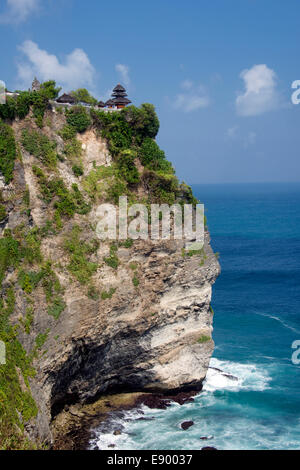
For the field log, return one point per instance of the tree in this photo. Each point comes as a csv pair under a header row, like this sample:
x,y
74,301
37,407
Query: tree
x,y
49,90
82,95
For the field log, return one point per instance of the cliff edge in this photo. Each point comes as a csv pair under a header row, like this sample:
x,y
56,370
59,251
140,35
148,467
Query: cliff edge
x,y
82,317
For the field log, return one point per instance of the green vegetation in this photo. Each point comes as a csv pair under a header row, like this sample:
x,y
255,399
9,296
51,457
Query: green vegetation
x,y
79,252
56,308
162,188
27,322
93,293
135,280
126,243
73,149
112,260
133,266
19,106
203,339
127,167
38,145
2,212
153,157
67,132
16,404
108,295
66,202
77,170
83,96
8,151
78,118
41,339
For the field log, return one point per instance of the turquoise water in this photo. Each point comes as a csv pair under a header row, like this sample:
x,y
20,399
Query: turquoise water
x,y
256,229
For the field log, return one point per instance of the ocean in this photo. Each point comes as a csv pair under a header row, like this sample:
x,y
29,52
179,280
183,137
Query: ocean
x,y
256,300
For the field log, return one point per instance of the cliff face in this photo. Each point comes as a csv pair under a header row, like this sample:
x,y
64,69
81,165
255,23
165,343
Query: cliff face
x,y
135,317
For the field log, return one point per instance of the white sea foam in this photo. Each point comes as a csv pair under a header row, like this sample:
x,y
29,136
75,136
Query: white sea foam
x,y
137,433
248,376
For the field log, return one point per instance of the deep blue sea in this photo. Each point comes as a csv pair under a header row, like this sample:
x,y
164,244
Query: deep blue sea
x,y
256,299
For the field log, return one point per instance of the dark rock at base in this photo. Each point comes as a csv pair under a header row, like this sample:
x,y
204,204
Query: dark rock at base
x,y
186,425
117,432
209,448
161,402
112,446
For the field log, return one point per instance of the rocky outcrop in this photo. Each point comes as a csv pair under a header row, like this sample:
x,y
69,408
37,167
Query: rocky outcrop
x,y
146,337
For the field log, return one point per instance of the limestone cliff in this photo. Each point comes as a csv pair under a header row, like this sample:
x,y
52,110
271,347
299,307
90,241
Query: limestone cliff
x,y
95,318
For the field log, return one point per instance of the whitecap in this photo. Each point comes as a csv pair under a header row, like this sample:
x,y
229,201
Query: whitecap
x,y
249,376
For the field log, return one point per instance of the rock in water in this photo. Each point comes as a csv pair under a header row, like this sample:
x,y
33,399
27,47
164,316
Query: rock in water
x,y
186,425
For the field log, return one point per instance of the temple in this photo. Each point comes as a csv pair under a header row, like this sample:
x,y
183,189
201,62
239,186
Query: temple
x,y
119,99
36,86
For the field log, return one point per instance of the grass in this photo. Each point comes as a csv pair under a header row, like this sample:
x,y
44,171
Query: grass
x,y
8,151
108,294
66,202
135,280
57,307
80,251
204,339
40,146
112,260
16,403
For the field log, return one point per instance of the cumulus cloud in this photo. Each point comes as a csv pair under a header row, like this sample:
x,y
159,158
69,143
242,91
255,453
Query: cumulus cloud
x,y
261,94
75,71
124,72
193,97
18,11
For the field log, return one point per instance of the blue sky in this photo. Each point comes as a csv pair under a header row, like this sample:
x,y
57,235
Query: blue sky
x,y
218,72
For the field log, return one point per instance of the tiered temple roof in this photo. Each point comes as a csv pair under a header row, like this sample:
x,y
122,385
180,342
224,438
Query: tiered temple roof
x,y
119,96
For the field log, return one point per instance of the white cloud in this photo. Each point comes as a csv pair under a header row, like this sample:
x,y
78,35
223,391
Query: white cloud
x,y
75,71
124,72
260,93
193,97
18,11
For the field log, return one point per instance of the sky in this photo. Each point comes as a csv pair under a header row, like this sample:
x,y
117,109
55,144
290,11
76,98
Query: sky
x,y
219,73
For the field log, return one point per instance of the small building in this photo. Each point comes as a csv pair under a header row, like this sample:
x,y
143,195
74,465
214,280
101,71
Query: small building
x,y
110,103
36,86
101,104
119,97
66,99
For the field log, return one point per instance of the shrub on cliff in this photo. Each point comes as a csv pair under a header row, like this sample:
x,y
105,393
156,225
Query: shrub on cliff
x,y
153,157
143,121
40,146
19,106
127,167
8,151
78,118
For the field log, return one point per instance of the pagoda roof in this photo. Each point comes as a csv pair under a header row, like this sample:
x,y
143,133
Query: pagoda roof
x,y
119,87
109,103
66,99
101,104
120,100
